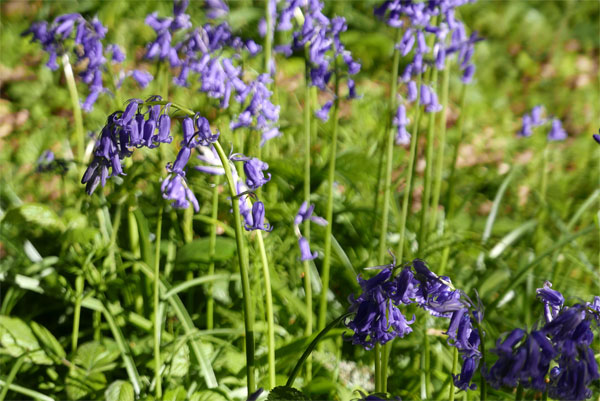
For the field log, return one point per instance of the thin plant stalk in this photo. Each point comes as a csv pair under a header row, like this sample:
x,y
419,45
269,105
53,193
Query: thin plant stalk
x,y
409,180
450,201
439,167
244,267
79,281
387,189
269,308
157,317
482,383
312,346
306,264
454,366
268,36
77,116
212,242
427,179
377,357
329,210
381,357
11,376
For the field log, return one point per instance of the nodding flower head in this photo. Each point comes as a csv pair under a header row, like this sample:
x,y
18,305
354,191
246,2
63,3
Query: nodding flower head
x,y
305,252
258,218
552,299
557,133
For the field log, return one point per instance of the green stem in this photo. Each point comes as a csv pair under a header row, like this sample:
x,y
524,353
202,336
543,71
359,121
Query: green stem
x,y
329,210
482,382
268,36
427,179
454,366
25,391
70,78
243,264
439,167
11,376
450,201
387,189
385,356
426,365
519,394
269,309
377,363
306,265
157,317
210,302
312,346
409,180
79,281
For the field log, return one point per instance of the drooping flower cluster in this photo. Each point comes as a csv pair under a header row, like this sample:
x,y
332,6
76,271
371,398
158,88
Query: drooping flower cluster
x,y
211,52
566,338
321,37
533,120
378,318
132,128
87,47
306,213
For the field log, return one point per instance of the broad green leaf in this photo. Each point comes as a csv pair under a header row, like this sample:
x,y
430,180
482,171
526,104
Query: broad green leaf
x,y
17,338
198,251
48,341
180,364
283,393
119,390
175,394
208,395
34,218
93,356
81,384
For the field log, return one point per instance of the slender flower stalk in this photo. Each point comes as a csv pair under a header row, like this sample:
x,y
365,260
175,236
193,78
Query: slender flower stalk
x,y
306,263
210,302
329,210
450,201
387,189
243,264
79,282
269,308
157,317
439,167
427,179
409,181
77,116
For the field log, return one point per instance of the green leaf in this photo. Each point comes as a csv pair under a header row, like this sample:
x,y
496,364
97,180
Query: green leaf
x,y
181,362
80,384
284,393
48,341
197,251
17,338
175,394
119,390
34,218
87,377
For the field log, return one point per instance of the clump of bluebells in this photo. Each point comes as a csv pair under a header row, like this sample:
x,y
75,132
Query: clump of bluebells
x,y
565,341
211,53
72,34
534,119
378,318
319,36
421,21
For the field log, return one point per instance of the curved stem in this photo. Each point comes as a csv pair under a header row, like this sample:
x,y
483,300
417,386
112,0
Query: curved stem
x,y
482,386
243,264
306,265
409,180
387,189
269,309
11,376
312,346
427,179
454,365
439,167
329,210
210,302
79,281
157,317
70,78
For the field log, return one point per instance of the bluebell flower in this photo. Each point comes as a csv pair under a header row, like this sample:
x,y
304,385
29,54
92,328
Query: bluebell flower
x,y
463,380
173,188
258,218
526,129
305,252
143,78
253,168
552,299
323,113
306,213
596,137
557,133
